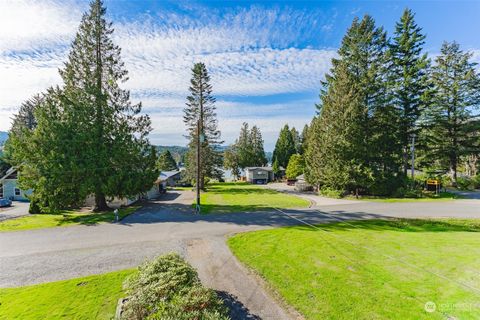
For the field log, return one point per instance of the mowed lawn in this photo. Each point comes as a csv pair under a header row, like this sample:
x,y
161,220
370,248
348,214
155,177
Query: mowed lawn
x,y
64,218
92,297
371,269
245,197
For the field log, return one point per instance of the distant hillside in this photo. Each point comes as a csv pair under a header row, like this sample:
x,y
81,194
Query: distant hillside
x,y
3,137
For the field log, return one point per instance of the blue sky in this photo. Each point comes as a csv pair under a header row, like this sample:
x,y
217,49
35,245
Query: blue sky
x,y
266,58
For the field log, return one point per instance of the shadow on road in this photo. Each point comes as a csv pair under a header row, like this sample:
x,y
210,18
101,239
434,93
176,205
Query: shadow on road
x,y
238,311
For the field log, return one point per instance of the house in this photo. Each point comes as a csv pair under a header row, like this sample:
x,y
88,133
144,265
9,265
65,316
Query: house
x,y
259,175
171,178
9,188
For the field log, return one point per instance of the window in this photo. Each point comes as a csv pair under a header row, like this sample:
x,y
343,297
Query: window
x,y
17,192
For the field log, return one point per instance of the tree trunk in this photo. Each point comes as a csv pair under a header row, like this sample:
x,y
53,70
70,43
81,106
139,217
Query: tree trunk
x,y
100,202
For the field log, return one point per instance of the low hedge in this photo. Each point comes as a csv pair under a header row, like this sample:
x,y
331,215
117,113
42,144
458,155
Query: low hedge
x,y
168,288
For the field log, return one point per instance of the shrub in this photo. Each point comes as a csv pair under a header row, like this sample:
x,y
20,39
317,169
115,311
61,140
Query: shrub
x,y
476,181
331,193
464,183
169,288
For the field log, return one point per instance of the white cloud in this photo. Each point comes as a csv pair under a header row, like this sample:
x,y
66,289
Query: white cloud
x,y
249,52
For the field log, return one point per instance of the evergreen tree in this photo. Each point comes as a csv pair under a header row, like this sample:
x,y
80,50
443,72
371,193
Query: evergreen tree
x,y
244,147
200,116
89,138
341,137
295,166
408,81
166,162
284,147
303,139
258,152
297,140
453,124
276,169
25,118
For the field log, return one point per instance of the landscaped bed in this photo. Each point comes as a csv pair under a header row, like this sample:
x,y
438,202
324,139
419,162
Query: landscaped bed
x,y
372,269
63,218
244,197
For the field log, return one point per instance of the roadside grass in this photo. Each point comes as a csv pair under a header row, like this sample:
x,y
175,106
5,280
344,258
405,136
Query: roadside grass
x,y
426,197
92,297
63,218
354,270
243,197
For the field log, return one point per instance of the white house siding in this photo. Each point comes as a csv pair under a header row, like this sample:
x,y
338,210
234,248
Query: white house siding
x,y
9,186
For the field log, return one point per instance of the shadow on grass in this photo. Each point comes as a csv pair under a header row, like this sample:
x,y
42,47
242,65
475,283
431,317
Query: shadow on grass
x,y
402,225
220,209
90,219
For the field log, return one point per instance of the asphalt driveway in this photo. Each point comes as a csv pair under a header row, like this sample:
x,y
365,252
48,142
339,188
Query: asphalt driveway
x,y
34,256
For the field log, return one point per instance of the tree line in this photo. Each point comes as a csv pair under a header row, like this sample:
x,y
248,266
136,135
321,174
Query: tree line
x,y
382,93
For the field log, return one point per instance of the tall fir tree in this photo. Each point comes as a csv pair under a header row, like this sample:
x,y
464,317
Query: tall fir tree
x,y
297,139
166,162
303,140
284,147
453,126
200,116
408,81
258,152
89,138
244,147
341,138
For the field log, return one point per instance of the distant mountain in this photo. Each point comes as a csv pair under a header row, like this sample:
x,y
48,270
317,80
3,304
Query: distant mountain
x,y
177,151
3,137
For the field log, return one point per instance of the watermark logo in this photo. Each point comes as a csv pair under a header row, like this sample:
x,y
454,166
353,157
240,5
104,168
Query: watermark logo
x,y
430,306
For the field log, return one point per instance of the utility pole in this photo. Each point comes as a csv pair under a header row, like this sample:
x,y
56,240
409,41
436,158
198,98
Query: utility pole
x,y
197,209
412,149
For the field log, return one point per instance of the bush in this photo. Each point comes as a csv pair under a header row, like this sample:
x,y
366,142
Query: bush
x,y
169,288
476,181
331,193
464,183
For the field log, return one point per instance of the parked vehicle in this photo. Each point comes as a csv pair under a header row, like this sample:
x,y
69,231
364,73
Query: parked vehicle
x,y
5,202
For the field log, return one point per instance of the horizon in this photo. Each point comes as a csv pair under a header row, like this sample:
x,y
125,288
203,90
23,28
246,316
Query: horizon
x,y
266,59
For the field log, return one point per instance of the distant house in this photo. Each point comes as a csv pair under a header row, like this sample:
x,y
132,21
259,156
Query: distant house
x,y
171,178
259,175
9,188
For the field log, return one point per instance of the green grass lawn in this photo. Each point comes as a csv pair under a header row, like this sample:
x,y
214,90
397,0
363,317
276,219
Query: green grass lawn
x,y
426,197
64,218
93,297
341,272
244,197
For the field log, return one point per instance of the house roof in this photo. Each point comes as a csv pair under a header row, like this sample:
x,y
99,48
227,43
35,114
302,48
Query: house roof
x,y
9,174
164,175
263,168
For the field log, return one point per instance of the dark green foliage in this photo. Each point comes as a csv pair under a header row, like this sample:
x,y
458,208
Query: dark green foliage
x,y
200,110
408,82
89,138
284,147
344,149
169,288
453,127
178,152
166,162
249,148
276,168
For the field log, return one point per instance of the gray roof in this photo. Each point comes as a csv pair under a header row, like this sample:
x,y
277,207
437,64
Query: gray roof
x,y
167,174
263,168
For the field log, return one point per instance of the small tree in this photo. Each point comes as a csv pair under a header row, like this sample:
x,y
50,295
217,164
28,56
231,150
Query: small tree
x,y
166,162
230,161
276,168
295,166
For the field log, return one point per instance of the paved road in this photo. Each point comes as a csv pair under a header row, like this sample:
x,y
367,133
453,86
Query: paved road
x,y
17,210
35,256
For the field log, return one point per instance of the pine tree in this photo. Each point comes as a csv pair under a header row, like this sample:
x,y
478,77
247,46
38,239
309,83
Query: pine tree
x,y
453,124
303,140
258,152
408,80
244,147
297,140
200,116
25,118
89,138
166,162
295,166
341,137
284,147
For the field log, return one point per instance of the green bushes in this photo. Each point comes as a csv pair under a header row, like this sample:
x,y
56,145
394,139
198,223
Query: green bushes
x,y
464,183
331,193
169,288
476,181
